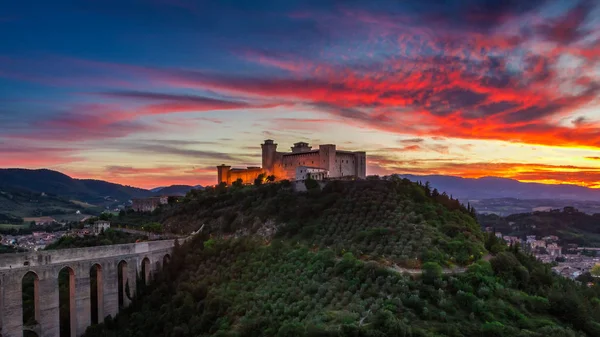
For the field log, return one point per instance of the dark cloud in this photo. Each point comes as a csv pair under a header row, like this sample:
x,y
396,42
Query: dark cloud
x,y
156,96
569,27
412,140
452,100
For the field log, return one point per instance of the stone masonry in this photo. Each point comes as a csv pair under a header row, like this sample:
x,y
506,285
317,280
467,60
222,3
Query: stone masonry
x,y
47,264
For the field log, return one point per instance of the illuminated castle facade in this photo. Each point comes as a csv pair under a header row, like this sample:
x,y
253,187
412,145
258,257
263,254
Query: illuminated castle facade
x,y
326,162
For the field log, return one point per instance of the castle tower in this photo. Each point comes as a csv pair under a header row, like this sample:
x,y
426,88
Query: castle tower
x,y
327,157
360,164
269,150
223,174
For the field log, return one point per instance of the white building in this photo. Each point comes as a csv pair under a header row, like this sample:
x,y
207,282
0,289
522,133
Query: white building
x,y
303,172
100,226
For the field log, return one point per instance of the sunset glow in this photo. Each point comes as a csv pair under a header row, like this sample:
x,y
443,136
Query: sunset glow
x,y
152,93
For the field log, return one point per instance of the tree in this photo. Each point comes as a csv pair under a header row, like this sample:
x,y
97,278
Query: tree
x,y
238,183
427,189
595,270
431,272
153,227
221,188
259,180
311,184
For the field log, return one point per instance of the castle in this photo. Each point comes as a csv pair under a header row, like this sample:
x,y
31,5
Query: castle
x,y
324,163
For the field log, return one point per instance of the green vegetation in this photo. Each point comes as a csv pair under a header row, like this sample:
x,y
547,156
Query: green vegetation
x,y
9,249
16,204
393,221
327,271
108,237
569,224
246,288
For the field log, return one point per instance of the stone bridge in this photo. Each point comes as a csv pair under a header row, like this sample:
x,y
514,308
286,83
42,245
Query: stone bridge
x,y
116,268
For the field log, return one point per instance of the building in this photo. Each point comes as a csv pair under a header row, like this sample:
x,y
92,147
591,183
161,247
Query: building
x,y
326,162
512,239
148,204
100,226
554,250
303,172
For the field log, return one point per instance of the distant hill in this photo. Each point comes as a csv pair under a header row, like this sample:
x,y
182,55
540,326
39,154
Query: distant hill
x,y
570,225
494,187
16,204
175,190
58,184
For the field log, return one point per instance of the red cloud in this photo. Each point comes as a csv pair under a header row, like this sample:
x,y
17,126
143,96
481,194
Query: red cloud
x,y
150,177
23,155
555,174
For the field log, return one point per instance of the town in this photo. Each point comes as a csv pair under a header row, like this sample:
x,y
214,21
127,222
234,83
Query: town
x,y
570,261
47,230
38,240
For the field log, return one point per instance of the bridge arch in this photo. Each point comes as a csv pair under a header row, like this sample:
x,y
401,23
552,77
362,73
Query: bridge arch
x,y
30,292
145,269
96,294
66,301
122,270
166,261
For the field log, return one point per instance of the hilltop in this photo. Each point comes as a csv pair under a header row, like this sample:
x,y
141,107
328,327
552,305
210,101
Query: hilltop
x,y
393,220
175,190
269,261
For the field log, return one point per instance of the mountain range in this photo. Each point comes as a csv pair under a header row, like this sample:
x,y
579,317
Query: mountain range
x,y
86,190
97,192
495,187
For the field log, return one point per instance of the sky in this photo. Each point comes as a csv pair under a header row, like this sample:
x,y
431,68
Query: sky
x,y
158,92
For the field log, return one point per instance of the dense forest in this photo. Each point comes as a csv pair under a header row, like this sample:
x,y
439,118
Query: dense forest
x,y
571,225
397,221
327,269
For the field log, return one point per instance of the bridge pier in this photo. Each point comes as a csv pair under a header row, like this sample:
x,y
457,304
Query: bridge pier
x,y
12,311
110,281
49,305
131,278
83,301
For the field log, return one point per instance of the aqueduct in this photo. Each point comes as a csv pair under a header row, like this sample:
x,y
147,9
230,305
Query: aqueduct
x,y
112,267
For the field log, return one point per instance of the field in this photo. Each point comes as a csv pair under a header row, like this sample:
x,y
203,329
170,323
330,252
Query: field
x,y
23,204
11,226
82,204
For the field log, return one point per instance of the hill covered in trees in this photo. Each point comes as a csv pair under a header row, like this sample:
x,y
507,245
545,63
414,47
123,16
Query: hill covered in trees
x,y
59,184
273,262
396,221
